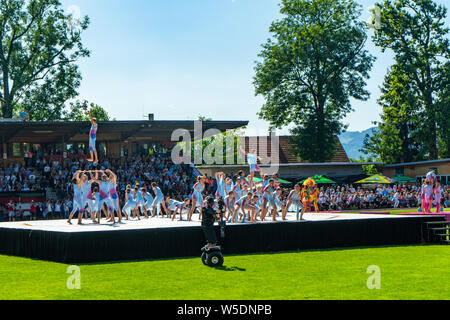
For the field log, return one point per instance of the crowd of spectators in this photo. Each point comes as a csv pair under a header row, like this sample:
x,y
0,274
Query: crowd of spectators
x,y
174,180
17,211
17,178
349,197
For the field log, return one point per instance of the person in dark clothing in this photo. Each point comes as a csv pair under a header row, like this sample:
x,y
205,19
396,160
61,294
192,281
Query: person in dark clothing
x,y
39,215
208,218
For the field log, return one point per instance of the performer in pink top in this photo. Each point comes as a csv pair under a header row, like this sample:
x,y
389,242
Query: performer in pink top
x,y
427,197
92,139
438,196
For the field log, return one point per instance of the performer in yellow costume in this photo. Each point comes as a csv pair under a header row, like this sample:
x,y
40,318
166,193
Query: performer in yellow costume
x,y
315,197
307,194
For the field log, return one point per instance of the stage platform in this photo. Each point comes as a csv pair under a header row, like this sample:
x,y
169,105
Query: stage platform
x,y
156,238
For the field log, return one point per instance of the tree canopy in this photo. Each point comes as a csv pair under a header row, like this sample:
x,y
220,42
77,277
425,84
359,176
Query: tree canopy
x,y
39,48
415,123
312,65
79,111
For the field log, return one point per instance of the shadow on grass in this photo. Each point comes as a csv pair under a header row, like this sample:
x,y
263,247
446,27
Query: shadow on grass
x,y
225,268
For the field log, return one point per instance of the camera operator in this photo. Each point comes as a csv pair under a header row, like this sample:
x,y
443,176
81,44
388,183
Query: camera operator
x,y
209,215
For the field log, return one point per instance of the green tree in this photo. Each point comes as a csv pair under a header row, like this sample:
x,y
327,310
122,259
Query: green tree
x,y
227,142
312,65
399,131
415,31
39,46
443,114
209,146
79,111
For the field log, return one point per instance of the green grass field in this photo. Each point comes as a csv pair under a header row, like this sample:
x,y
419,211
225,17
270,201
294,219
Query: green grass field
x,y
413,272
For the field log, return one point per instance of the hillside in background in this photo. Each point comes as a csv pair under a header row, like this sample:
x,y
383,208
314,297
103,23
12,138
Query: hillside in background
x,y
352,141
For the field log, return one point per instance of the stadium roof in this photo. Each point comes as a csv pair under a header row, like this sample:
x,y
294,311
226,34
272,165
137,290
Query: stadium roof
x,y
111,131
407,164
304,164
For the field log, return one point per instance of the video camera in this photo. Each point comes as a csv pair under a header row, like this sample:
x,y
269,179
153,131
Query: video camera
x,y
221,205
222,223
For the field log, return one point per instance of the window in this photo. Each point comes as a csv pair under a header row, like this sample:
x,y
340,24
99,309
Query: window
x,y
134,148
399,172
59,149
102,148
70,149
26,147
444,180
81,149
16,150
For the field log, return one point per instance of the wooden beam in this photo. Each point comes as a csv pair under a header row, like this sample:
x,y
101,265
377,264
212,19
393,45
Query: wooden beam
x,y
11,134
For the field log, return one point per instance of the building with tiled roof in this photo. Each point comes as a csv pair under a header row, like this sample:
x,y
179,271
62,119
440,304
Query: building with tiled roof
x,y
286,155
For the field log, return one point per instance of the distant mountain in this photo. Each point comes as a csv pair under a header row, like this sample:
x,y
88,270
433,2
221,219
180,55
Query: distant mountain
x,y
353,141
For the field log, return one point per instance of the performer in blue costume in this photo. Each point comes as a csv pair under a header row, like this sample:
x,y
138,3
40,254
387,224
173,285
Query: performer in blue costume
x,y
92,139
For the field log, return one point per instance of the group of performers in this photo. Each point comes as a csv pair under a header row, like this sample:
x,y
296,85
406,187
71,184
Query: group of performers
x,y
95,193
244,200
431,187
103,199
95,199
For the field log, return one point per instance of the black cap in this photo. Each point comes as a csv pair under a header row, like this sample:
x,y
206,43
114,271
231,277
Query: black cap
x,y
210,200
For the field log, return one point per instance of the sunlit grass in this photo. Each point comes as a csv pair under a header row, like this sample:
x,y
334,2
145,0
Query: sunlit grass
x,y
415,272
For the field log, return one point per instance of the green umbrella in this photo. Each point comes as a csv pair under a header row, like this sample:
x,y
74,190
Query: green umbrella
x,y
403,179
319,180
284,181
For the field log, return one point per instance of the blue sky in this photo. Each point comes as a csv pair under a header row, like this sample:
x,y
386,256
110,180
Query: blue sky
x,y
180,59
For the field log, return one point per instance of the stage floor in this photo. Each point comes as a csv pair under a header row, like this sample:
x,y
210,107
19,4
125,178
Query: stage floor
x,y
158,223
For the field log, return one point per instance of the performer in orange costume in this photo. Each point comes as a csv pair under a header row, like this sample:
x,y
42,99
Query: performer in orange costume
x,y
315,197
306,194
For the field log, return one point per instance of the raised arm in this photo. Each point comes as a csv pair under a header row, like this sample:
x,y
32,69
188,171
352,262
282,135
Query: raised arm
x,y
79,181
242,151
91,177
92,119
96,179
78,175
219,175
112,175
